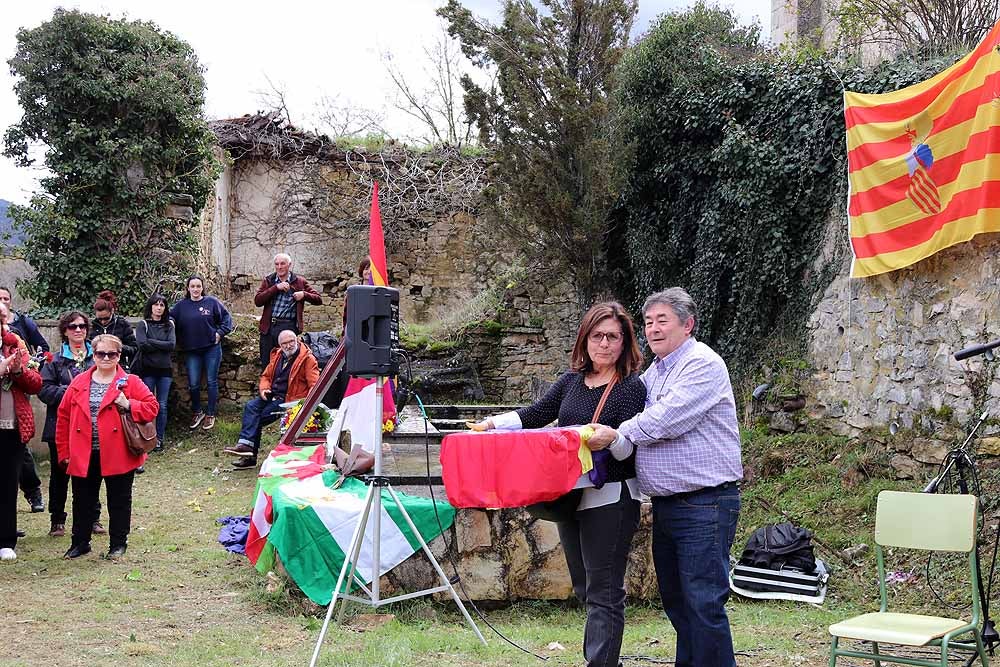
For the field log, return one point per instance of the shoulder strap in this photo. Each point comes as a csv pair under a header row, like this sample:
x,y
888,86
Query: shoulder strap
x,y
604,399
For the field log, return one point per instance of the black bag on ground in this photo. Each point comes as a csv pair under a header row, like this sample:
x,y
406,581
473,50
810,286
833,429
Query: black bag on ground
x,y
780,546
323,344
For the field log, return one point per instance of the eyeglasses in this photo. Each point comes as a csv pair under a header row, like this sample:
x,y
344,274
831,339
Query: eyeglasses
x,y
77,326
596,337
101,354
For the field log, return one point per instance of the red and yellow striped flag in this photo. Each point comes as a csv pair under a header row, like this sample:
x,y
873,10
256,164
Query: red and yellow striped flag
x,y
924,163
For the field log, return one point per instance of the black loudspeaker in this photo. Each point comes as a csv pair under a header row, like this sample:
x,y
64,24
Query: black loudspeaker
x,y
372,331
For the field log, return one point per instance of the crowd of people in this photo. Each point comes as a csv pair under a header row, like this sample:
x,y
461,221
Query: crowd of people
x,y
669,434
103,365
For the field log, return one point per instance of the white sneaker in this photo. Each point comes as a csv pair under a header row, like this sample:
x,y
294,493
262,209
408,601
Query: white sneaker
x,y
7,554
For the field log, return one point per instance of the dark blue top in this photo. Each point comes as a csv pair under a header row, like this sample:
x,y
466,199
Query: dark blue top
x,y
26,328
197,322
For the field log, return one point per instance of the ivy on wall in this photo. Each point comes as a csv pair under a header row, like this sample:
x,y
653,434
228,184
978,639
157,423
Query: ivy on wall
x,y
736,163
117,105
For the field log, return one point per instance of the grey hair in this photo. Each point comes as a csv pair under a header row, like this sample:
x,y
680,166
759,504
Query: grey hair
x,y
678,300
282,254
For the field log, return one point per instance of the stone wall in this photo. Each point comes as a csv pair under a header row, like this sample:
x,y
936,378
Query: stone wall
x,y
443,260
506,555
882,347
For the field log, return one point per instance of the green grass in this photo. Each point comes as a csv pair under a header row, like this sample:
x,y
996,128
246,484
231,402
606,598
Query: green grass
x,y
179,599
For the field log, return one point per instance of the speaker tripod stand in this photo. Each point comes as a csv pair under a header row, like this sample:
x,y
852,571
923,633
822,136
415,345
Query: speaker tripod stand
x,y
372,513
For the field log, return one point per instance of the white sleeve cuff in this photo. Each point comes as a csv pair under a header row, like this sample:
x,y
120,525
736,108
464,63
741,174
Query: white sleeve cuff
x,y
621,448
508,421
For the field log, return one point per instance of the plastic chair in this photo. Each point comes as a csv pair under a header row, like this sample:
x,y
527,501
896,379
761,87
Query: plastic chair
x,y
930,522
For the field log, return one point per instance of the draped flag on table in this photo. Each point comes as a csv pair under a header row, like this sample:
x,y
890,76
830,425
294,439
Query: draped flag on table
x,y
924,163
299,517
363,416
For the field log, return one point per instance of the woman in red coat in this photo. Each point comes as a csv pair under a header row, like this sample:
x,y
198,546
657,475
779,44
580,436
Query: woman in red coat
x,y
92,447
17,427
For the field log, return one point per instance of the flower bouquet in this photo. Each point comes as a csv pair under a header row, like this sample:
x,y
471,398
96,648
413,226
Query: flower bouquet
x,y
41,358
319,422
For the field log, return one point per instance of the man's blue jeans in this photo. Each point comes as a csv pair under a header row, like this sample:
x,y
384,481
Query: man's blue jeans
x,y
692,536
160,386
257,414
206,361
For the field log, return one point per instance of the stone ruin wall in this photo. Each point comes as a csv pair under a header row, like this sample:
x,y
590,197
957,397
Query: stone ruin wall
x,y
882,352
440,261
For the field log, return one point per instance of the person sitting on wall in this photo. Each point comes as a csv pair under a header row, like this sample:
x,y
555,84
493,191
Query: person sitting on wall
x,y
290,374
283,296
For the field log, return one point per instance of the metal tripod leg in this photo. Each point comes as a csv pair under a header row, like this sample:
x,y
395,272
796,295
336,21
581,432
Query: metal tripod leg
x,y
354,554
435,564
353,548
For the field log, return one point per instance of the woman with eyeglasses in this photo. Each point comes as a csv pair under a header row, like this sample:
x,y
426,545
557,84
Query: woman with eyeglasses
x,y
156,339
17,427
202,322
598,537
108,321
73,357
91,444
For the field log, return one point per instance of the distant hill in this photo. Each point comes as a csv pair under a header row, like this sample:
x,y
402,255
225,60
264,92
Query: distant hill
x,y
7,227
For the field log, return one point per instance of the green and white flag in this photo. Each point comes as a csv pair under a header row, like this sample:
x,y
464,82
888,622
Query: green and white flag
x,y
313,524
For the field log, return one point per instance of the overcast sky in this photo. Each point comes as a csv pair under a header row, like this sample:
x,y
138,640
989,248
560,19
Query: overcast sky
x,y
308,49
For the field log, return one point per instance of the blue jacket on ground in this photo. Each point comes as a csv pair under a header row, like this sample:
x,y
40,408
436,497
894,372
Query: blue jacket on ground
x,y
197,322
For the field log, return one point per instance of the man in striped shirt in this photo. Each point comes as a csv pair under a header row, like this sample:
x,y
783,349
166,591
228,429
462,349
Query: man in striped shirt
x,y
688,460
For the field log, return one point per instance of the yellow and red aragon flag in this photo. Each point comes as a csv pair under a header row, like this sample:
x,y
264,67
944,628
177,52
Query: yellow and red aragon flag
x,y
924,163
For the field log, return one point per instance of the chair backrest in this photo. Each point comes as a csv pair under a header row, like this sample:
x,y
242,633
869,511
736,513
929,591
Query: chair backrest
x,y
930,521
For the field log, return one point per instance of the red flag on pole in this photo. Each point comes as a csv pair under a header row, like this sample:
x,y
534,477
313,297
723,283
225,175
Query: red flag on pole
x,y
359,398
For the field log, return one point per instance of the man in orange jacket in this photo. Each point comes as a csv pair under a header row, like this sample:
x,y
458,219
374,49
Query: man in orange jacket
x,y
290,374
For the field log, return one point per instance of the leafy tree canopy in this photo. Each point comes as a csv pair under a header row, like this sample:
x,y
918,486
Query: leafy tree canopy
x,y
547,118
118,107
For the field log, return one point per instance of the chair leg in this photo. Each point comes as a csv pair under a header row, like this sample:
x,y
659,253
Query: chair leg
x,y
878,663
981,650
833,652
944,654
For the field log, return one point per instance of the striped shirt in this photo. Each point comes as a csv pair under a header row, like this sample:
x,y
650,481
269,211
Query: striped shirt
x,y
97,392
687,438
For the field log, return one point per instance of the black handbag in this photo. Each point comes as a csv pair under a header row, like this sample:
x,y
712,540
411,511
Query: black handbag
x,y
564,507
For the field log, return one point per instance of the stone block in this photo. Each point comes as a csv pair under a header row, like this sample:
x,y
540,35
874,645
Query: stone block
x,y
782,422
990,445
472,530
904,467
482,577
927,450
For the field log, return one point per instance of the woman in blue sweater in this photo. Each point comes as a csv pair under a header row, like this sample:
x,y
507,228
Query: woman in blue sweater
x,y
201,322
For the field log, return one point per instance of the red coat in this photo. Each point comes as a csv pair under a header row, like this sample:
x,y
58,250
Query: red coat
x,y
73,426
29,381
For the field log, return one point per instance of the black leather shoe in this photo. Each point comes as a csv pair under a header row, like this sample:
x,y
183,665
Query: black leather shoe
x,y
246,463
140,470
21,534
114,553
77,550
36,502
